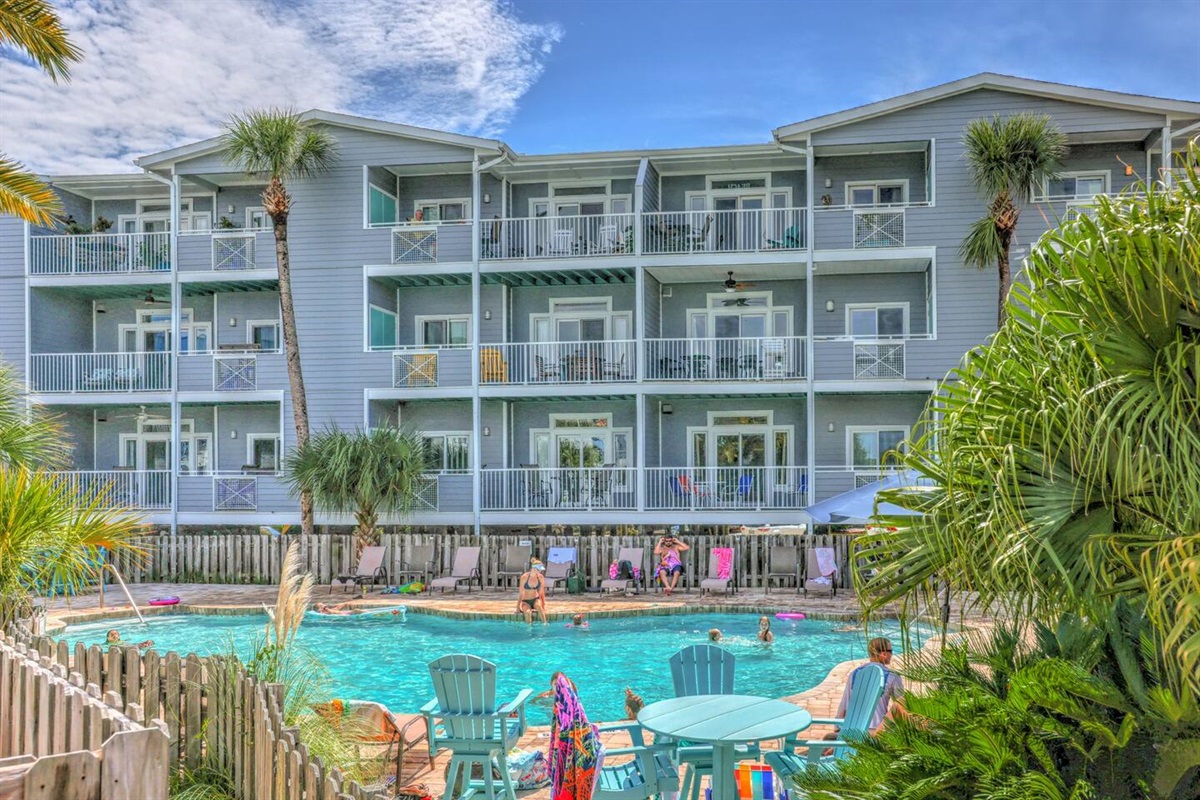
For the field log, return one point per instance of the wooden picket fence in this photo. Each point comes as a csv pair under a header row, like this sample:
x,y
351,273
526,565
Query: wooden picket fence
x,y
211,713
257,557
60,739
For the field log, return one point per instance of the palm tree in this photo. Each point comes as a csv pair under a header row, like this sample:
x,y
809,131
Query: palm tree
x,y
1008,158
50,535
361,473
282,146
32,27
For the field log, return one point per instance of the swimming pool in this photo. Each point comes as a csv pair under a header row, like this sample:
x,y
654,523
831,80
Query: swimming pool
x,y
382,658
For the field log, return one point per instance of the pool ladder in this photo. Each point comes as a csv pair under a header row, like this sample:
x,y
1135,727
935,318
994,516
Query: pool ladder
x,y
125,588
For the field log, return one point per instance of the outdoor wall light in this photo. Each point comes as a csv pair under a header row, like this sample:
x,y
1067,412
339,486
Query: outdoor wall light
x,y
829,305
829,183
487,431
229,208
667,408
233,434
100,309
233,322
487,198
487,314
831,427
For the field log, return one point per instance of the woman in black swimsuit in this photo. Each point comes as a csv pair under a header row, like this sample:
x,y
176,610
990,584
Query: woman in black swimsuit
x,y
531,593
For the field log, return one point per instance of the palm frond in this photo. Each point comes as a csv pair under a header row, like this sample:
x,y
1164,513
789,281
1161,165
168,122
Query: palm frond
x,y
279,144
24,195
33,27
28,435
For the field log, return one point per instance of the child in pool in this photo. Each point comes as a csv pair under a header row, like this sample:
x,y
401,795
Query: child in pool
x,y
578,621
714,635
764,630
114,638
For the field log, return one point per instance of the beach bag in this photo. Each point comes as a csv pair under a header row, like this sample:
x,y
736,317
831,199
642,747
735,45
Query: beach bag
x,y
575,583
528,769
625,571
414,791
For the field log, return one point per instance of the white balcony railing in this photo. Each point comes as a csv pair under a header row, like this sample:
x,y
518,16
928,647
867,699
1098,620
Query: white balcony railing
x,y
234,251
235,373
141,490
558,362
414,245
772,358
556,488
707,488
99,254
879,360
746,230
235,493
558,237
100,372
878,228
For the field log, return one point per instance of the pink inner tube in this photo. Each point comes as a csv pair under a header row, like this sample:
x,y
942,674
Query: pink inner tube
x,y
790,615
163,601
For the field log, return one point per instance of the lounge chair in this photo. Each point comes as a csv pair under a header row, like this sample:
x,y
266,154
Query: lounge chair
x,y
466,718
635,556
784,564
418,564
714,581
865,692
516,561
697,670
821,575
560,565
464,570
370,569
366,722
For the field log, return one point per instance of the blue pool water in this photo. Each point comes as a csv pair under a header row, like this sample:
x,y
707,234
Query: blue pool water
x,y
382,658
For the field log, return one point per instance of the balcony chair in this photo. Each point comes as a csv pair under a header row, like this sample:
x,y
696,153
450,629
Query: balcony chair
x,y
790,240
545,371
101,378
608,240
698,240
615,369
422,370
492,366
537,491
671,368
562,243
742,492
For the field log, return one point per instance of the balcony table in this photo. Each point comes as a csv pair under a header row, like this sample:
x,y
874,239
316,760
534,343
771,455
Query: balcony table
x,y
724,720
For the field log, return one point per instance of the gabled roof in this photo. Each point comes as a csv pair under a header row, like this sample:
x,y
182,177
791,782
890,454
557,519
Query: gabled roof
x,y
213,144
991,80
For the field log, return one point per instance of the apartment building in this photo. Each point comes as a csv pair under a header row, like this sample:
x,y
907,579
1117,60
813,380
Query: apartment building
x,y
698,336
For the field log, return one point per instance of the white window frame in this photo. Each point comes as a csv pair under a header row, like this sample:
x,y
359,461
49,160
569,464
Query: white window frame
x,y
419,328
189,220
250,212
709,194
395,326
444,201
187,434
186,316
1104,175
550,429
251,324
875,186
253,438
851,430
851,307
711,430
553,316
715,306
443,435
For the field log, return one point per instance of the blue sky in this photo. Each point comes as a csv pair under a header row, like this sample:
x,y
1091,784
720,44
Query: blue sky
x,y
555,75
666,73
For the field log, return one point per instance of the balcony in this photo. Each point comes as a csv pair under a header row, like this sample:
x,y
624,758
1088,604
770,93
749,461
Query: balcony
x,y
726,488
226,250
558,362
882,360
233,368
100,254
748,230
775,358
100,372
419,243
588,236
244,491
912,357
431,367
139,490
878,228
559,488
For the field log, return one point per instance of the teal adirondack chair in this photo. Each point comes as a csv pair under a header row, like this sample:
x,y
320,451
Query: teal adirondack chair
x,y
474,726
648,774
703,669
864,697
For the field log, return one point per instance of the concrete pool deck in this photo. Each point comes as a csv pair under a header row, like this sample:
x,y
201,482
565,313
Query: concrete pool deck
x,y
821,700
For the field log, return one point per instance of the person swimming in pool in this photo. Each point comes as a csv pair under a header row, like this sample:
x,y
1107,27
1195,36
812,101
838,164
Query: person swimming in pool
x,y
764,630
114,638
578,621
714,634
341,609
531,592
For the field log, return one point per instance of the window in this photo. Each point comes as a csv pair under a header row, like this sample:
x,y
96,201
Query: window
x,y
443,330
880,320
383,329
447,452
257,219
869,447
383,206
1078,185
456,210
264,333
882,193
262,450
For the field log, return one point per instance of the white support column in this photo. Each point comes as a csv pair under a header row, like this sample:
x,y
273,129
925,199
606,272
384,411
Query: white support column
x,y
810,416
1166,154
176,302
476,404
639,321
639,204
640,449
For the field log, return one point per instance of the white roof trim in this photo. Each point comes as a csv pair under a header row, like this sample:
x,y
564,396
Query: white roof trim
x,y
991,80
211,144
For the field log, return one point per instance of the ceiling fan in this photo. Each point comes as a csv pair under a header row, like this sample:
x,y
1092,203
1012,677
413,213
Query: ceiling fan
x,y
733,286
141,416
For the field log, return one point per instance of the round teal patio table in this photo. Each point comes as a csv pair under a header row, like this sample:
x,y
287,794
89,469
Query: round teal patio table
x,y
724,720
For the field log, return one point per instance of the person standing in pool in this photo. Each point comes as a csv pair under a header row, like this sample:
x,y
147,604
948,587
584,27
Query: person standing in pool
x,y
114,638
531,592
764,630
670,567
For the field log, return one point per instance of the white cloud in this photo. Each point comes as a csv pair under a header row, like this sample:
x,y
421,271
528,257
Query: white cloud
x,y
159,74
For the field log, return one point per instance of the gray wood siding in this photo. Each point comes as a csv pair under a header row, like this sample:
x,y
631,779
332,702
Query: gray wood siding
x,y
844,290
650,199
61,323
528,300
687,412
689,296
652,307
841,170
845,409
12,292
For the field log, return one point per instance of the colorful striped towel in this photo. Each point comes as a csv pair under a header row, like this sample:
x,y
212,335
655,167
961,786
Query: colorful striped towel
x,y
724,562
574,746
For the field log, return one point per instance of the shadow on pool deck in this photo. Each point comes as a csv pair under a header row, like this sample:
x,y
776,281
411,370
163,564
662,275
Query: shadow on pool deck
x,y
821,700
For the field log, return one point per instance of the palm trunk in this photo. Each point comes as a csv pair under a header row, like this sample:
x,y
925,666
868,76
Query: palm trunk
x,y
276,197
1005,215
364,534
1005,271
